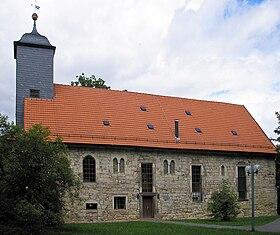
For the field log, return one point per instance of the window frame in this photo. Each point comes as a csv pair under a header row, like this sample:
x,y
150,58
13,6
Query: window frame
x,y
118,165
115,166
89,169
199,197
91,209
223,170
34,93
122,166
165,167
148,186
172,167
242,178
116,201
169,167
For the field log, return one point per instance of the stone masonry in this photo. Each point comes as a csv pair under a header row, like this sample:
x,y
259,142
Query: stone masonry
x,y
172,198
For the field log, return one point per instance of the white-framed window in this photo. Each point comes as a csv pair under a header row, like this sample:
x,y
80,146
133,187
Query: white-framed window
x,y
91,206
196,182
120,202
169,167
89,169
118,165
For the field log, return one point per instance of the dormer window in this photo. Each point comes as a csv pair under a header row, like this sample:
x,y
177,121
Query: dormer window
x,y
34,93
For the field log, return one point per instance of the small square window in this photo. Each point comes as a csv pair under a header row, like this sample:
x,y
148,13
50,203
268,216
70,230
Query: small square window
x,y
119,203
198,130
188,113
106,123
150,126
143,108
34,93
91,206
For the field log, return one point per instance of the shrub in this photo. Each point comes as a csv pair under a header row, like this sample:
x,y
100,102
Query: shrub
x,y
224,203
35,178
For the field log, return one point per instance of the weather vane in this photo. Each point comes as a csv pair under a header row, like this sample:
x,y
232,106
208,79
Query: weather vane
x,y
36,7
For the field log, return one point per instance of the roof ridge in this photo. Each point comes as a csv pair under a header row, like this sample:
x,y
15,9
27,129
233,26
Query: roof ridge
x,y
149,94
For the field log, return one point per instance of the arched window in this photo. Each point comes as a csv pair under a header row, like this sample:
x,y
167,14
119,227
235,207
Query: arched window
x,y
165,167
223,170
122,165
115,165
89,174
172,167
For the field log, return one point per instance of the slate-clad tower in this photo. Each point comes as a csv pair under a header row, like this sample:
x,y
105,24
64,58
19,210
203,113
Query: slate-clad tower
x,y
34,69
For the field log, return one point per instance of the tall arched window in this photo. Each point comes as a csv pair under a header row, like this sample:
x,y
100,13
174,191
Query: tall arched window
x,y
165,167
122,165
223,170
172,167
89,173
115,165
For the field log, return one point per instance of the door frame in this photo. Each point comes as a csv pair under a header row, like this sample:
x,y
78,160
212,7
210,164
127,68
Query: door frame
x,y
152,213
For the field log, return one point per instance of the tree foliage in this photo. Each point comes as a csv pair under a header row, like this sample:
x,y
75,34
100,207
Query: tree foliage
x,y
277,140
224,203
277,132
35,177
91,81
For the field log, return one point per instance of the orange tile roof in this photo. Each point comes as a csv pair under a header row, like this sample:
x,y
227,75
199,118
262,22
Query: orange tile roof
x,y
77,113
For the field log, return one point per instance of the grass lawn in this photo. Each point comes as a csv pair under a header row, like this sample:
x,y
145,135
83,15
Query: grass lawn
x,y
140,228
246,221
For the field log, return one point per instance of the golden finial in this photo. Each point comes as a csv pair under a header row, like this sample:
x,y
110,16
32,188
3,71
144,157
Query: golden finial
x,y
34,16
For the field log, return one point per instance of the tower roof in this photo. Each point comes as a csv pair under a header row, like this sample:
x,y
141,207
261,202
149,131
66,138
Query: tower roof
x,y
33,39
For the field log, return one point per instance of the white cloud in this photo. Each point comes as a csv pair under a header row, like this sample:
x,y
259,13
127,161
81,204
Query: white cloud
x,y
206,49
193,5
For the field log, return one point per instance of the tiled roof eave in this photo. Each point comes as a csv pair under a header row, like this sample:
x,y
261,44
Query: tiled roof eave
x,y
157,143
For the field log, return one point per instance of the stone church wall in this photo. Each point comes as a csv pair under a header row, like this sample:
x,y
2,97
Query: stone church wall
x,y
172,196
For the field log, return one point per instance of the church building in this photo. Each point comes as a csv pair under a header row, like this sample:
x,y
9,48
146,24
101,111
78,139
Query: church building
x,y
143,155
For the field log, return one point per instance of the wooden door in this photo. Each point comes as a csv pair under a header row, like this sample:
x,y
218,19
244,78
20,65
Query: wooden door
x,y
148,207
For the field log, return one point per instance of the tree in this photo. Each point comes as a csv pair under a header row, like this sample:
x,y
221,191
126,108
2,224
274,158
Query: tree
x,y
224,203
92,81
277,131
35,178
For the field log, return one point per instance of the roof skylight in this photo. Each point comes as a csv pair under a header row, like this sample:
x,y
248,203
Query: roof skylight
x,y
234,132
198,130
106,123
188,113
143,108
150,126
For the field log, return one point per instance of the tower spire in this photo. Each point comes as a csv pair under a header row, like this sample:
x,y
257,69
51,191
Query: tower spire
x,y
35,16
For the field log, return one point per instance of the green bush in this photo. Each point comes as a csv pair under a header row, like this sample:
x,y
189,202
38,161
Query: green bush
x,y
224,203
35,178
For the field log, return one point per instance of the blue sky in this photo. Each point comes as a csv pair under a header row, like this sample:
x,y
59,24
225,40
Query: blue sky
x,y
225,50
251,2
